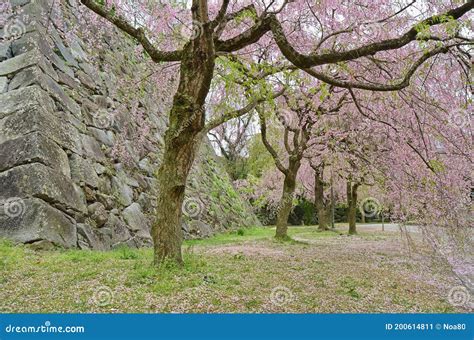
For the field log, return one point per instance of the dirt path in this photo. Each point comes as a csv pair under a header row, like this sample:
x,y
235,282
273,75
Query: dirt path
x,y
390,227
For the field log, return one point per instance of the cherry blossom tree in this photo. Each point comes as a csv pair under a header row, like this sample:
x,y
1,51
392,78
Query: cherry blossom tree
x,y
427,169
349,150
299,114
323,159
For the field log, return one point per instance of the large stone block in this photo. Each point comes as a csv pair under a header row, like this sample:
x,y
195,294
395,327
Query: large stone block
x,y
91,148
24,99
58,93
36,12
18,63
27,42
76,48
105,137
5,50
93,238
68,80
30,220
35,118
33,148
30,58
40,181
16,3
122,191
98,213
82,171
196,229
25,78
34,75
36,40
120,233
65,52
136,220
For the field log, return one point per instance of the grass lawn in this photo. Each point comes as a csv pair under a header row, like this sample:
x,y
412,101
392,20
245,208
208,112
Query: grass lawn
x,y
245,271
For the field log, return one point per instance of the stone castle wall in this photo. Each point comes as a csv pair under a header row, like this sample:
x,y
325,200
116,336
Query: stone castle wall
x,y
60,183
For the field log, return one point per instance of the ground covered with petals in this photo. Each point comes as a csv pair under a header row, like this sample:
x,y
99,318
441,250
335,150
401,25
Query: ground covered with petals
x,y
244,271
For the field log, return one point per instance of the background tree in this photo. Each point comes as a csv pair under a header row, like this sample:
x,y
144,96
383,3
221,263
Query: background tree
x,y
231,139
297,113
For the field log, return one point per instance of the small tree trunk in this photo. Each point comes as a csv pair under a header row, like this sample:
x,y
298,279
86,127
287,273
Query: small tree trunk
x,y
333,203
352,207
284,208
352,220
319,201
383,225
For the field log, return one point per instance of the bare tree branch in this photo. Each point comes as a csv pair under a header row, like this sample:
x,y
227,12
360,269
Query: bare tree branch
x,y
221,14
307,61
378,87
240,112
247,37
266,143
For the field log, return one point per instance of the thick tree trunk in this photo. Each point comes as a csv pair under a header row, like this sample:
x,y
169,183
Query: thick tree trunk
x,y
286,202
352,207
166,233
182,139
284,208
319,201
322,220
